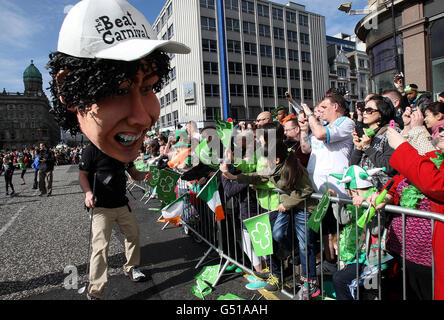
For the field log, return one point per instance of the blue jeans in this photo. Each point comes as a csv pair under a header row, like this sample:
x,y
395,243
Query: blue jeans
x,y
282,234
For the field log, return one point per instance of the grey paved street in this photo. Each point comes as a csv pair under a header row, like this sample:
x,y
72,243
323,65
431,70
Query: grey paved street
x,y
40,236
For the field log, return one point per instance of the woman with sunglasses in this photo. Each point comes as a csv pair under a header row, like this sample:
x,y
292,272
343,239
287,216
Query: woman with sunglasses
x,y
371,147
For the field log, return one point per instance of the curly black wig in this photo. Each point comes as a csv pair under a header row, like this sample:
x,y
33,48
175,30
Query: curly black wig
x,y
91,80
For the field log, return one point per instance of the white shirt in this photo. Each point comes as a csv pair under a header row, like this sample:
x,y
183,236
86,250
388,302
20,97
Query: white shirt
x,y
331,156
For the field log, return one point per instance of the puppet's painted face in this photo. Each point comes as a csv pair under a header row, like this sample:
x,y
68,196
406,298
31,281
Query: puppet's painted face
x,y
117,125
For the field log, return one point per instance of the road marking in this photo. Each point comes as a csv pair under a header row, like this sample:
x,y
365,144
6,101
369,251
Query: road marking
x,y
11,221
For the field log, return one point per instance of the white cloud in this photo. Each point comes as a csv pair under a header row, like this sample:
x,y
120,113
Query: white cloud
x,y
18,28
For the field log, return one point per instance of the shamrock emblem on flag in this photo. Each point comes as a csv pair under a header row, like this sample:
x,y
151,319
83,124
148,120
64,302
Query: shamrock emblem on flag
x,y
261,235
167,184
209,274
156,173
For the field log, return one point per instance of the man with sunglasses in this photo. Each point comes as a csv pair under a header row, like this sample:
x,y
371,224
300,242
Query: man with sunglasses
x,y
330,147
263,118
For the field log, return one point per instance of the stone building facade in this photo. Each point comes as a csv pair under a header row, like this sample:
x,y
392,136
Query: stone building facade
x,y
25,120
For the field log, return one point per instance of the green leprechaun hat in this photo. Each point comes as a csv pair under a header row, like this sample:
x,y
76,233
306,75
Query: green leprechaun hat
x,y
355,177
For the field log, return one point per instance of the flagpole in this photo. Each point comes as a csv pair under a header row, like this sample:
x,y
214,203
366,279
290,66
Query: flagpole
x,y
215,174
223,58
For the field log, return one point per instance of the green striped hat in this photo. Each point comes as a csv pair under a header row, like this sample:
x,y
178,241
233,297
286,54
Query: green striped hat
x,y
355,177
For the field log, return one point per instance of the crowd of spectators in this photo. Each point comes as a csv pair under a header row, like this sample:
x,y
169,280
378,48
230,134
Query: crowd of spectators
x,y
309,145
28,158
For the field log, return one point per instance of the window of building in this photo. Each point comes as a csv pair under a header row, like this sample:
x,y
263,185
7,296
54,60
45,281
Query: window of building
x,y
251,69
162,102
279,33
249,27
266,51
267,71
174,95
268,92
308,94
303,20
167,99
208,23
169,119
212,113
252,91
278,13
305,38
235,67
305,56
209,45
162,121
293,55
294,74
263,10
362,63
163,19
264,31
207,4
248,6
281,73
250,48
170,9
342,72
212,90
279,53
232,24
175,116
306,75
281,92
236,90
290,16
296,93
173,73
234,46
170,32
211,67
232,4
292,36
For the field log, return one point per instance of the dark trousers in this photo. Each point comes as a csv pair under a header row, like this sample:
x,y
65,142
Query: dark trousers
x,y
8,180
343,278
36,175
419,281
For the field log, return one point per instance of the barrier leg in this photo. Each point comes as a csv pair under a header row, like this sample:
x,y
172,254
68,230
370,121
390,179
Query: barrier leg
x,y
220,273
203,258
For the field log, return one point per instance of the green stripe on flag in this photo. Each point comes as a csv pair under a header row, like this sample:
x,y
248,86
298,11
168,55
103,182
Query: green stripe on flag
x,y
209,189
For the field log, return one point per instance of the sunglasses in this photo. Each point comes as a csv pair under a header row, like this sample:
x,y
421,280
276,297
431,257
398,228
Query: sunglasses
x,y
370,110
441,129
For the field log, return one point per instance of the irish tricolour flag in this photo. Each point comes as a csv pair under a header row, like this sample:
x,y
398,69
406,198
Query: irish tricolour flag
x,y
173,211
210,195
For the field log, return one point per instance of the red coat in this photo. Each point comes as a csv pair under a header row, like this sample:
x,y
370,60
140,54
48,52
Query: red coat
x,y
424,175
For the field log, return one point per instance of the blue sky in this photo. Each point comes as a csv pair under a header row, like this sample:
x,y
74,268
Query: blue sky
x,y
30,31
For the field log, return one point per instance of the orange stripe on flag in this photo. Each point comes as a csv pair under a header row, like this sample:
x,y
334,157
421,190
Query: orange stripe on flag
x,y
219,213
174,220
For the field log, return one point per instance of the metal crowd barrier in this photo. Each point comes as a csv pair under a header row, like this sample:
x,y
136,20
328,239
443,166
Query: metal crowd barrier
x,y
228,240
